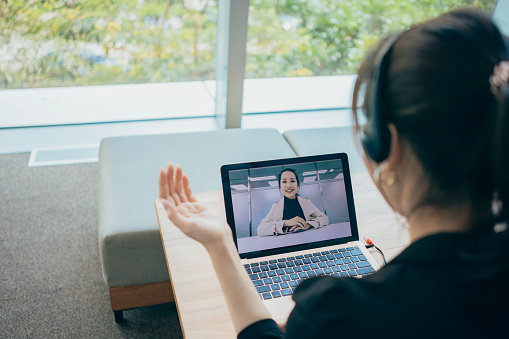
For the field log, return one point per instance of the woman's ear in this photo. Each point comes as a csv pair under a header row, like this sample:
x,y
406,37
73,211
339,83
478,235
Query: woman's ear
x,y
396,149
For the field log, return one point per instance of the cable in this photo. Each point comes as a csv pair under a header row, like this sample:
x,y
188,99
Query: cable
x,y
370,244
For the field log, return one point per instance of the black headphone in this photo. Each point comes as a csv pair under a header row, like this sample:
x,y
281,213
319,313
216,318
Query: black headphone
x,y
375,136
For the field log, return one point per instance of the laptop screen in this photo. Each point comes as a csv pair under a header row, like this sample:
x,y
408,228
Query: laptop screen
x,y
284,205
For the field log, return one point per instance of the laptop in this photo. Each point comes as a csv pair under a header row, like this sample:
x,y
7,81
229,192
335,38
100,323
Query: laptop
x,y
277,257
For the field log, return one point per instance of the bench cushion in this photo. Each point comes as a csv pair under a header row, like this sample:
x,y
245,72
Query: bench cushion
x,y
317,141
129,240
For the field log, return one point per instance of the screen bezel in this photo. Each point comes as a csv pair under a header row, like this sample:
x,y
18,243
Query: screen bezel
x,y
225,178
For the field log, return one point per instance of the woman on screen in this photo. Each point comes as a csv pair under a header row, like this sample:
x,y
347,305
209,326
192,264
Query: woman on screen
x,y
435,99
292,213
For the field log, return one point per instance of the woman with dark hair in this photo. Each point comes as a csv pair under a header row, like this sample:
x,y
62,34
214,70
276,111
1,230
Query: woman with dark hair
x,y
292,213
436,143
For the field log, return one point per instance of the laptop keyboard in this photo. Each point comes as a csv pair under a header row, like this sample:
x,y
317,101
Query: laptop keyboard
x,y
279,277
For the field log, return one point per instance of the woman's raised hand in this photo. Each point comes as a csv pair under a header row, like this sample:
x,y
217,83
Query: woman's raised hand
x,y
192,218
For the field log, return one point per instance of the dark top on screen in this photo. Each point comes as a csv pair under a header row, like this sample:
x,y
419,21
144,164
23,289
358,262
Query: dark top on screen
x,y
292,209
444,285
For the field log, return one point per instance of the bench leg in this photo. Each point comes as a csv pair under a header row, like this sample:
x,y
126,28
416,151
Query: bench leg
x,y
119,316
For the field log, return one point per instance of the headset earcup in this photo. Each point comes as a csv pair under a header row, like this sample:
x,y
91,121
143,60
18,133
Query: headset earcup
x,y
376,137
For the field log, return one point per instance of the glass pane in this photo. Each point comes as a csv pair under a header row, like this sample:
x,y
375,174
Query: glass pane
x,y
327,38
61,43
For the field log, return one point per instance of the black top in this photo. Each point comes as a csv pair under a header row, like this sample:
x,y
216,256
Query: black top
x,y
292,209
444,285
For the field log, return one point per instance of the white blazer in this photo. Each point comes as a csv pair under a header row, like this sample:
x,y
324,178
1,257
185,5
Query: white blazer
x,y
272,224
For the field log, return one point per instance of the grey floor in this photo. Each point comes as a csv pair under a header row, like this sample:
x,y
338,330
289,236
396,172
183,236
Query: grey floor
x,y
50,276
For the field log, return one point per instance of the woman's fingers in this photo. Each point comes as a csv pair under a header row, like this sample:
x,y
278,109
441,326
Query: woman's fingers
x,y
179,185
163,184
187,189
175,216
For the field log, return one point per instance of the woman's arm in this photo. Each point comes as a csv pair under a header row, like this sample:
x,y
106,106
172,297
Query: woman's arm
x,y
315,217
205,226
271,224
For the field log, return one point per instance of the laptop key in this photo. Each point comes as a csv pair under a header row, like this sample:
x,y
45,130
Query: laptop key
x,y
306,267
356,252
323,258
284,285
281,265
280,272
275,287
338,255
338,262
285,278
256,269
299,257
264,268
289,270
352,266
350,248
297,269
344,268
306,261
317,254
267,281
271,273
327,270
325,252
363,258
363,264
347,254
365,270
344,274
352,273
341,249
262,289
255,264
335,275
330,256
315,259
314,266
273,266
294,276
263,275
336,269
308,255
266,296
311,274
355,259
281,259
319,272
334,251
290,258
246,265
290,263
286,292
277,279
272,261
356,247
264,262
347,261
293,283
322,264
249,271
257,282
276,294
303,275
298,262
331,263
253,276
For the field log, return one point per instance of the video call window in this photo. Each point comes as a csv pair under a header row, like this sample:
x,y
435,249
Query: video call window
x,y
259,205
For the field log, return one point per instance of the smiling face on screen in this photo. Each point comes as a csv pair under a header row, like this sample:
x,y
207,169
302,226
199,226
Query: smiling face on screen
x,y
288,184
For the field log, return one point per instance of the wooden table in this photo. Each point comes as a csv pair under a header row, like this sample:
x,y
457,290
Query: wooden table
x,y
200,301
